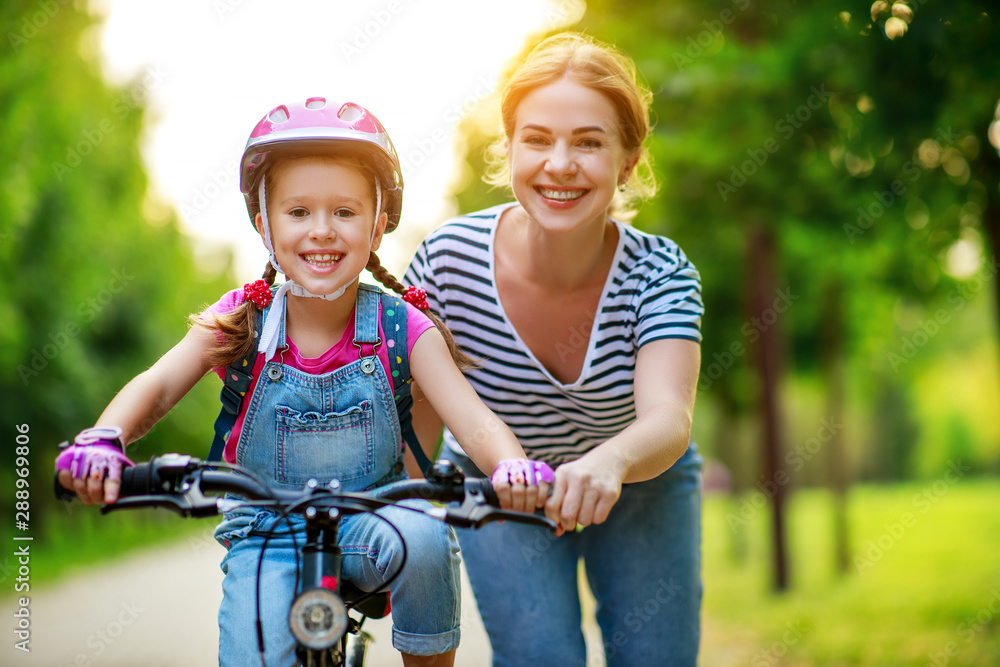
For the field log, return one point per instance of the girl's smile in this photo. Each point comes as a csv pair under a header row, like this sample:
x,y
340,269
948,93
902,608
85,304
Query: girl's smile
x,y
321,261
321,213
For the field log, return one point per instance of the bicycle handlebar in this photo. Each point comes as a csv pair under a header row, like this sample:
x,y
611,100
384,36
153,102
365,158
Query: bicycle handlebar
x,y
187,486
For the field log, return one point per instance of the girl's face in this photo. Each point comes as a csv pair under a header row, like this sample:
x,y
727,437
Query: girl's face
x,y
321,212
566,155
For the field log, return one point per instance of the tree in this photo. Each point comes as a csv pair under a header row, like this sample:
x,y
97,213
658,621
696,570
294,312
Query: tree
x,y
98,277
801,139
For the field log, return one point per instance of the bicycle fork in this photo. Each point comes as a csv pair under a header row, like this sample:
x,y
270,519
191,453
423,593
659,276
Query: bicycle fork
x,y
318,617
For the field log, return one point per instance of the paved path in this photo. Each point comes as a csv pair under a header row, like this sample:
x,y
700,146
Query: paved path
x,y
158,608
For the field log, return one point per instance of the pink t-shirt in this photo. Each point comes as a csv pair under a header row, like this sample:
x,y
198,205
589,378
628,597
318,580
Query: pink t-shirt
x,y
341,354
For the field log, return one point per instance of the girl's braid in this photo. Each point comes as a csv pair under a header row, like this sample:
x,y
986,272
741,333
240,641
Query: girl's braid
x,y
270,273
237,330
382,275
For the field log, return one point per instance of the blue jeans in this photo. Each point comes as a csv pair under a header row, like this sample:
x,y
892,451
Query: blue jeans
x,y
425,597
643,565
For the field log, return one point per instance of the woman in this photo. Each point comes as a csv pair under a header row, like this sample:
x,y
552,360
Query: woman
x,y
588,336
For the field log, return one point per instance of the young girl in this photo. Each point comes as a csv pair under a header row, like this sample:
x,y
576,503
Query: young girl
x,y
591,355
322,184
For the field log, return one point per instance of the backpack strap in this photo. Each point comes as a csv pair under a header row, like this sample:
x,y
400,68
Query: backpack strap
x,y
236,382
394,328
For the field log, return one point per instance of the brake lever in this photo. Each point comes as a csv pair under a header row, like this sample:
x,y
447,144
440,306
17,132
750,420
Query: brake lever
x,y
139,502
192,504
475,512
494,514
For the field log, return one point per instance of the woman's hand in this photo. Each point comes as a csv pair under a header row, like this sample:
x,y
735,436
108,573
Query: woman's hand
x,y
584,492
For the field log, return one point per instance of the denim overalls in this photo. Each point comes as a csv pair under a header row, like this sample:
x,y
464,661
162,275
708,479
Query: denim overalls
x,y
338,425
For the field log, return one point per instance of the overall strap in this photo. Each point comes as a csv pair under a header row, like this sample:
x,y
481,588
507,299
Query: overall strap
x,y
236,382
366,317
394,328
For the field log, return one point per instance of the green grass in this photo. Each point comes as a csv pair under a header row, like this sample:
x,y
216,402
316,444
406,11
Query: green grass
x,y
923,586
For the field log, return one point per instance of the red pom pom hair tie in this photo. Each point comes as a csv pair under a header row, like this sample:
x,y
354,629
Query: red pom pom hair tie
x,y
258,292
417,297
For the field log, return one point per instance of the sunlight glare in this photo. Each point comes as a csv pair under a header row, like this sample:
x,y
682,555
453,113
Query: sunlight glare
x,y
210,70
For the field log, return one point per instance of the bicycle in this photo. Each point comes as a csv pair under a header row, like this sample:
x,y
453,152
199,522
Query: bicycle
x,y
319,618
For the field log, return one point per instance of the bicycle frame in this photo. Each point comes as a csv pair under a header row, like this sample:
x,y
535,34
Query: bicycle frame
x,y
325,634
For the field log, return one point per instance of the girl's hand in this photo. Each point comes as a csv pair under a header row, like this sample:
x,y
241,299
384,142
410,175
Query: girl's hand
x,y
92,466
584,492
522,485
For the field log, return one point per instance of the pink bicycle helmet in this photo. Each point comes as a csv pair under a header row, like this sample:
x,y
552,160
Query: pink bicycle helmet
x,y
319,125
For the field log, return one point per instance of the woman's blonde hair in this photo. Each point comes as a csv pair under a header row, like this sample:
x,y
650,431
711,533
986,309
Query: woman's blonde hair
x,y
598,66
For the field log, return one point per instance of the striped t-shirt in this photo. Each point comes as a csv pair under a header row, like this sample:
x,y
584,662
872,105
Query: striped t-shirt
x,y
652,292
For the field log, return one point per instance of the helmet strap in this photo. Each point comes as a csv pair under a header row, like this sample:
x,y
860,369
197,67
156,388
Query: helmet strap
x,y
262,198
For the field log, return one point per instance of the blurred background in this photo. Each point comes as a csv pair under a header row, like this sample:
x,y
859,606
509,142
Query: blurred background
x,y
831,168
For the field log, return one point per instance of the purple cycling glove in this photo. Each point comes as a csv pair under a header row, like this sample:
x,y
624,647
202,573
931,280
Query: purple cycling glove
x,y
96,452
523,471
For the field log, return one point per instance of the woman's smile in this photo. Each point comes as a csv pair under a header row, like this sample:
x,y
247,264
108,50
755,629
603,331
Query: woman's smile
x,y
566,156
561,194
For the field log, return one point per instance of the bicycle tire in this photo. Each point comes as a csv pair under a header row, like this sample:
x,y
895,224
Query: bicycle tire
x,y
357,649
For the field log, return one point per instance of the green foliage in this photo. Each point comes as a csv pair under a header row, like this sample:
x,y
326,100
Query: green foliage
x,y
868,160
98,282
902,602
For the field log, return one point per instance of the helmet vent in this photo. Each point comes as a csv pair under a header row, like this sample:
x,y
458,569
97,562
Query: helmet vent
x,y
279,114
350,113
315,103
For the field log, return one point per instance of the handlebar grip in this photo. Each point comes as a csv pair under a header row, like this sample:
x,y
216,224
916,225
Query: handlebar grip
x,y
139,480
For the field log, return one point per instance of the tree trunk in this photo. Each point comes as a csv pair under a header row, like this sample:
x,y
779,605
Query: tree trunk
x,y
991,225
837,473
768,361
987,170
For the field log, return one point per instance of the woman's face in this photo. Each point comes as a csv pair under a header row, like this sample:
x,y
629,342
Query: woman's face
x,y
566,155
321,214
